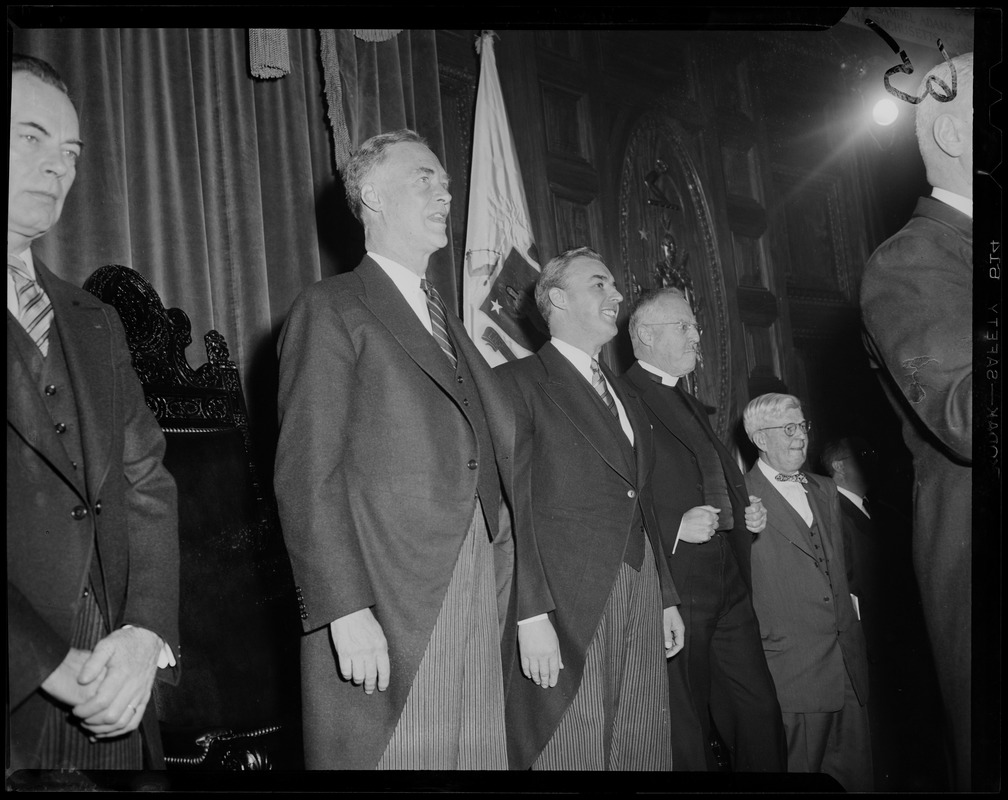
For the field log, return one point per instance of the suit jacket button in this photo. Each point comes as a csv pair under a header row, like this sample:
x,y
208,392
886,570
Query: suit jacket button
x,y
87,591
97,507
631,493
465,401
60,427
472,463
78,512
458,378
50,390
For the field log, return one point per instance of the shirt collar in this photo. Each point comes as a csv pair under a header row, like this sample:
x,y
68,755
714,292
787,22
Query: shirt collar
x,y
403,277
957,201
578,357
666,379
771,474
856,499
29,262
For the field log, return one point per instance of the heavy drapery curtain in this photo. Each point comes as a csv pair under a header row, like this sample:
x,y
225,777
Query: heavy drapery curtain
x,y
221,189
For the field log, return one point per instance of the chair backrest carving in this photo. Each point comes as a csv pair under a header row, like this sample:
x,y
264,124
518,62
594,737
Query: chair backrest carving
x,y
238,616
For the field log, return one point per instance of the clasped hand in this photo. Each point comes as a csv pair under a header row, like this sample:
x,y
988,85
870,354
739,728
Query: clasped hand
x,y
755,515
108,688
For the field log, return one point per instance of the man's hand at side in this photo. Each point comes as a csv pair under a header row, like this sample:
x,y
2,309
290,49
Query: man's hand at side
x,y
362,650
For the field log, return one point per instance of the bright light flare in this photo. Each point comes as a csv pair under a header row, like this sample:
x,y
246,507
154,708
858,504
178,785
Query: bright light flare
x,y
885,112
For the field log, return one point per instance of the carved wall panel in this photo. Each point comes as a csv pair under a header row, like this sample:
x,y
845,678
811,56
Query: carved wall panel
x,y
667,239
566,123
816,230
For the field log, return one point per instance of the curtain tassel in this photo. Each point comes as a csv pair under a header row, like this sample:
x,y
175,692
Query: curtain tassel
x,y
269,52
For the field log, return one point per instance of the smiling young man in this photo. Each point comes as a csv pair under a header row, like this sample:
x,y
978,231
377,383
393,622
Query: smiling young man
x,y
395,442
811,634
597,612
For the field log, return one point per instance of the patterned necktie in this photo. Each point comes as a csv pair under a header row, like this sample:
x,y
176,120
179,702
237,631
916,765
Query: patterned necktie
x,y
797,477
439,321
600,386
34,309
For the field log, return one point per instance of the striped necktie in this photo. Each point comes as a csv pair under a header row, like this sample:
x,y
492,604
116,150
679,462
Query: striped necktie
x,y
600,386
35,312
439,321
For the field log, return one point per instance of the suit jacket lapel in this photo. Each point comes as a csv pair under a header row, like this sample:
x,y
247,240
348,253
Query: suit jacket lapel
x,y
86,338
577,400
27,414
386,301
781,516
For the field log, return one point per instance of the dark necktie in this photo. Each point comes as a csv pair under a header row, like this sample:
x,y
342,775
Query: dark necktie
x,y
439,320
598,381
34,309
797,477
864,505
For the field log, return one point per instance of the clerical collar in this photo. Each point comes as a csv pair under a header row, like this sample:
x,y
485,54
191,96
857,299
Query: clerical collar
x,y
957,201
666,379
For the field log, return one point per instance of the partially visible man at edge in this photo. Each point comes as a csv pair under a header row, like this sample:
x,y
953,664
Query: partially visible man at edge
x,y
917,307
92,525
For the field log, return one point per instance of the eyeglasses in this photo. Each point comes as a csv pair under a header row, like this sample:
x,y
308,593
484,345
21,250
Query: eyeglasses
x,y
791,428
683,326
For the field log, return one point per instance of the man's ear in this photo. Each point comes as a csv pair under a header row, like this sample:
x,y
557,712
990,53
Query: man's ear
x,y
759,440
370,197
558,297
950,135
645,335
838,468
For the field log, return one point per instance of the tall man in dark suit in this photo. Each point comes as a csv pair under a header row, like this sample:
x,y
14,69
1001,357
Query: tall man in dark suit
x,y
92,527
394,442
591,579
811,634
707,524
917,305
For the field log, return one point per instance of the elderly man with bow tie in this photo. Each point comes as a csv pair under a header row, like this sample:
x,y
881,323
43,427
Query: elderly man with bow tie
x,y
811,633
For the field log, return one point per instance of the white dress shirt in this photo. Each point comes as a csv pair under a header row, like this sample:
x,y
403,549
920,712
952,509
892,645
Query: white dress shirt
x,y
957,201
792,491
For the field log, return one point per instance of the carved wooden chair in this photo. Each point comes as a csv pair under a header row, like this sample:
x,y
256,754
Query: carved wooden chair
x,y
237,706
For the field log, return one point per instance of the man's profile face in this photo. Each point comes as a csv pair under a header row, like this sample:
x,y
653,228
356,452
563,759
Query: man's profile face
x,y
675,339
415,201
591,302
44,148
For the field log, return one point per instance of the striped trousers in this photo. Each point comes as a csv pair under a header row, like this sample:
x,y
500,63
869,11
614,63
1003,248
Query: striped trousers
x,y
619,719
454,713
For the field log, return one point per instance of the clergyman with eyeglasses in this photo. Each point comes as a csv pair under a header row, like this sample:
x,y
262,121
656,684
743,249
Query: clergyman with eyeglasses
x,y
811,633
708,522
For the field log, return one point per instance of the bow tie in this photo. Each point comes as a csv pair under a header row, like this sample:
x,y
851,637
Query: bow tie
x,y
796,477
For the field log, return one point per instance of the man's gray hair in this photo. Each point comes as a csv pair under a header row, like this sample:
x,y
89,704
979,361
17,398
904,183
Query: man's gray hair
x,y
553,276
645,303
761,411
368,156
